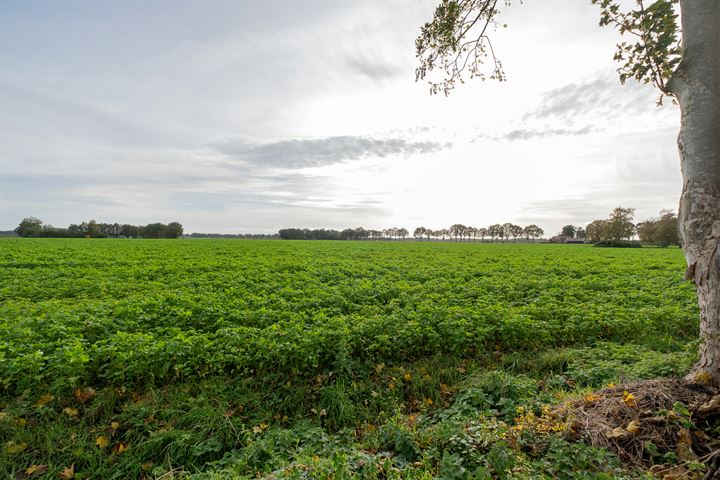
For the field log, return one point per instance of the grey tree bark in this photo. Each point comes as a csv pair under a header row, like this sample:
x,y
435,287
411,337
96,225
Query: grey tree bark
x,y
696,85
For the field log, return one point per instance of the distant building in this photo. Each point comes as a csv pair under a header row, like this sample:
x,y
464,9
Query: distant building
x,y
566,239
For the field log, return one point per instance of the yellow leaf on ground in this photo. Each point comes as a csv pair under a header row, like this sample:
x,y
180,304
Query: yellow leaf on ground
x,y
85,394
633,427
684,437
102,441
68,472
70,412
36,469
12,447
120,447
629,399
114,425
617,433
42,401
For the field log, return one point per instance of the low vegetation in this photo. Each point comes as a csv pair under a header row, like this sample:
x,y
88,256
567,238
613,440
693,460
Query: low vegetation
x,y
214,359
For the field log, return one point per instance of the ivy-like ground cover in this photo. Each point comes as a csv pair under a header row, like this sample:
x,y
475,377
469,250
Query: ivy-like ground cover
x,y
237,359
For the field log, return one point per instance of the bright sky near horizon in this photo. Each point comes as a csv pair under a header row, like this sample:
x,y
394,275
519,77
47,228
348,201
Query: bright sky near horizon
x,y
236,117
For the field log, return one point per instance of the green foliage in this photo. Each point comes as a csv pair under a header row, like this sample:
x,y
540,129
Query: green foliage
x,y
654,53
200,309
455,41
319,359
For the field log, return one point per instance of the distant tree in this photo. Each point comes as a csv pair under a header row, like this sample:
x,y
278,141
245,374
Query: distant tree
x,y
532,231
506,230
92,229
597,230
482,233
515,232
620,225
662,231
419,232
471,232
130,231
457,230
495,230
568,231
402,233
75,230
30,227
173,230
667,229
580,233
646,232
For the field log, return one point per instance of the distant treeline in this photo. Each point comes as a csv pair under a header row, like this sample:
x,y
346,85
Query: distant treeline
x,y
34,227
618,230
253,236
457,232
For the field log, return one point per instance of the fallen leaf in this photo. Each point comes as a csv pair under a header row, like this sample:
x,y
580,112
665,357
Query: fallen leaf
x,y
102,441
70,412
120,447
114,426
33,469
68,472
42,401
85,394
21,422
617,433
633,427
591,398
629,399
12,447
684,437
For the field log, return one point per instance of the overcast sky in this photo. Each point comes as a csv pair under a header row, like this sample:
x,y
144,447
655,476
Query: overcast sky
x,y
232,116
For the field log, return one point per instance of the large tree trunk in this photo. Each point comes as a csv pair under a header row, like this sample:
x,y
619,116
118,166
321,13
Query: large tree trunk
x,y
696,84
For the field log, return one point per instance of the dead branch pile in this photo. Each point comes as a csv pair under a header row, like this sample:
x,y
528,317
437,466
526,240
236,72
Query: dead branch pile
x,y
643,421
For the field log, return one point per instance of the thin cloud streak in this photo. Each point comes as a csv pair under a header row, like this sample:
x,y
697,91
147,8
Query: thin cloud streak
x,y
307,153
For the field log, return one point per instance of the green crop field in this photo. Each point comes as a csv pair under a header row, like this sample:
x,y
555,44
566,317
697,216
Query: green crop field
x,y
236,359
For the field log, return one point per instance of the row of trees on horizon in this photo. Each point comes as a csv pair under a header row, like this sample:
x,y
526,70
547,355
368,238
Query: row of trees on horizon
x,y
34,227
457,232
614,230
